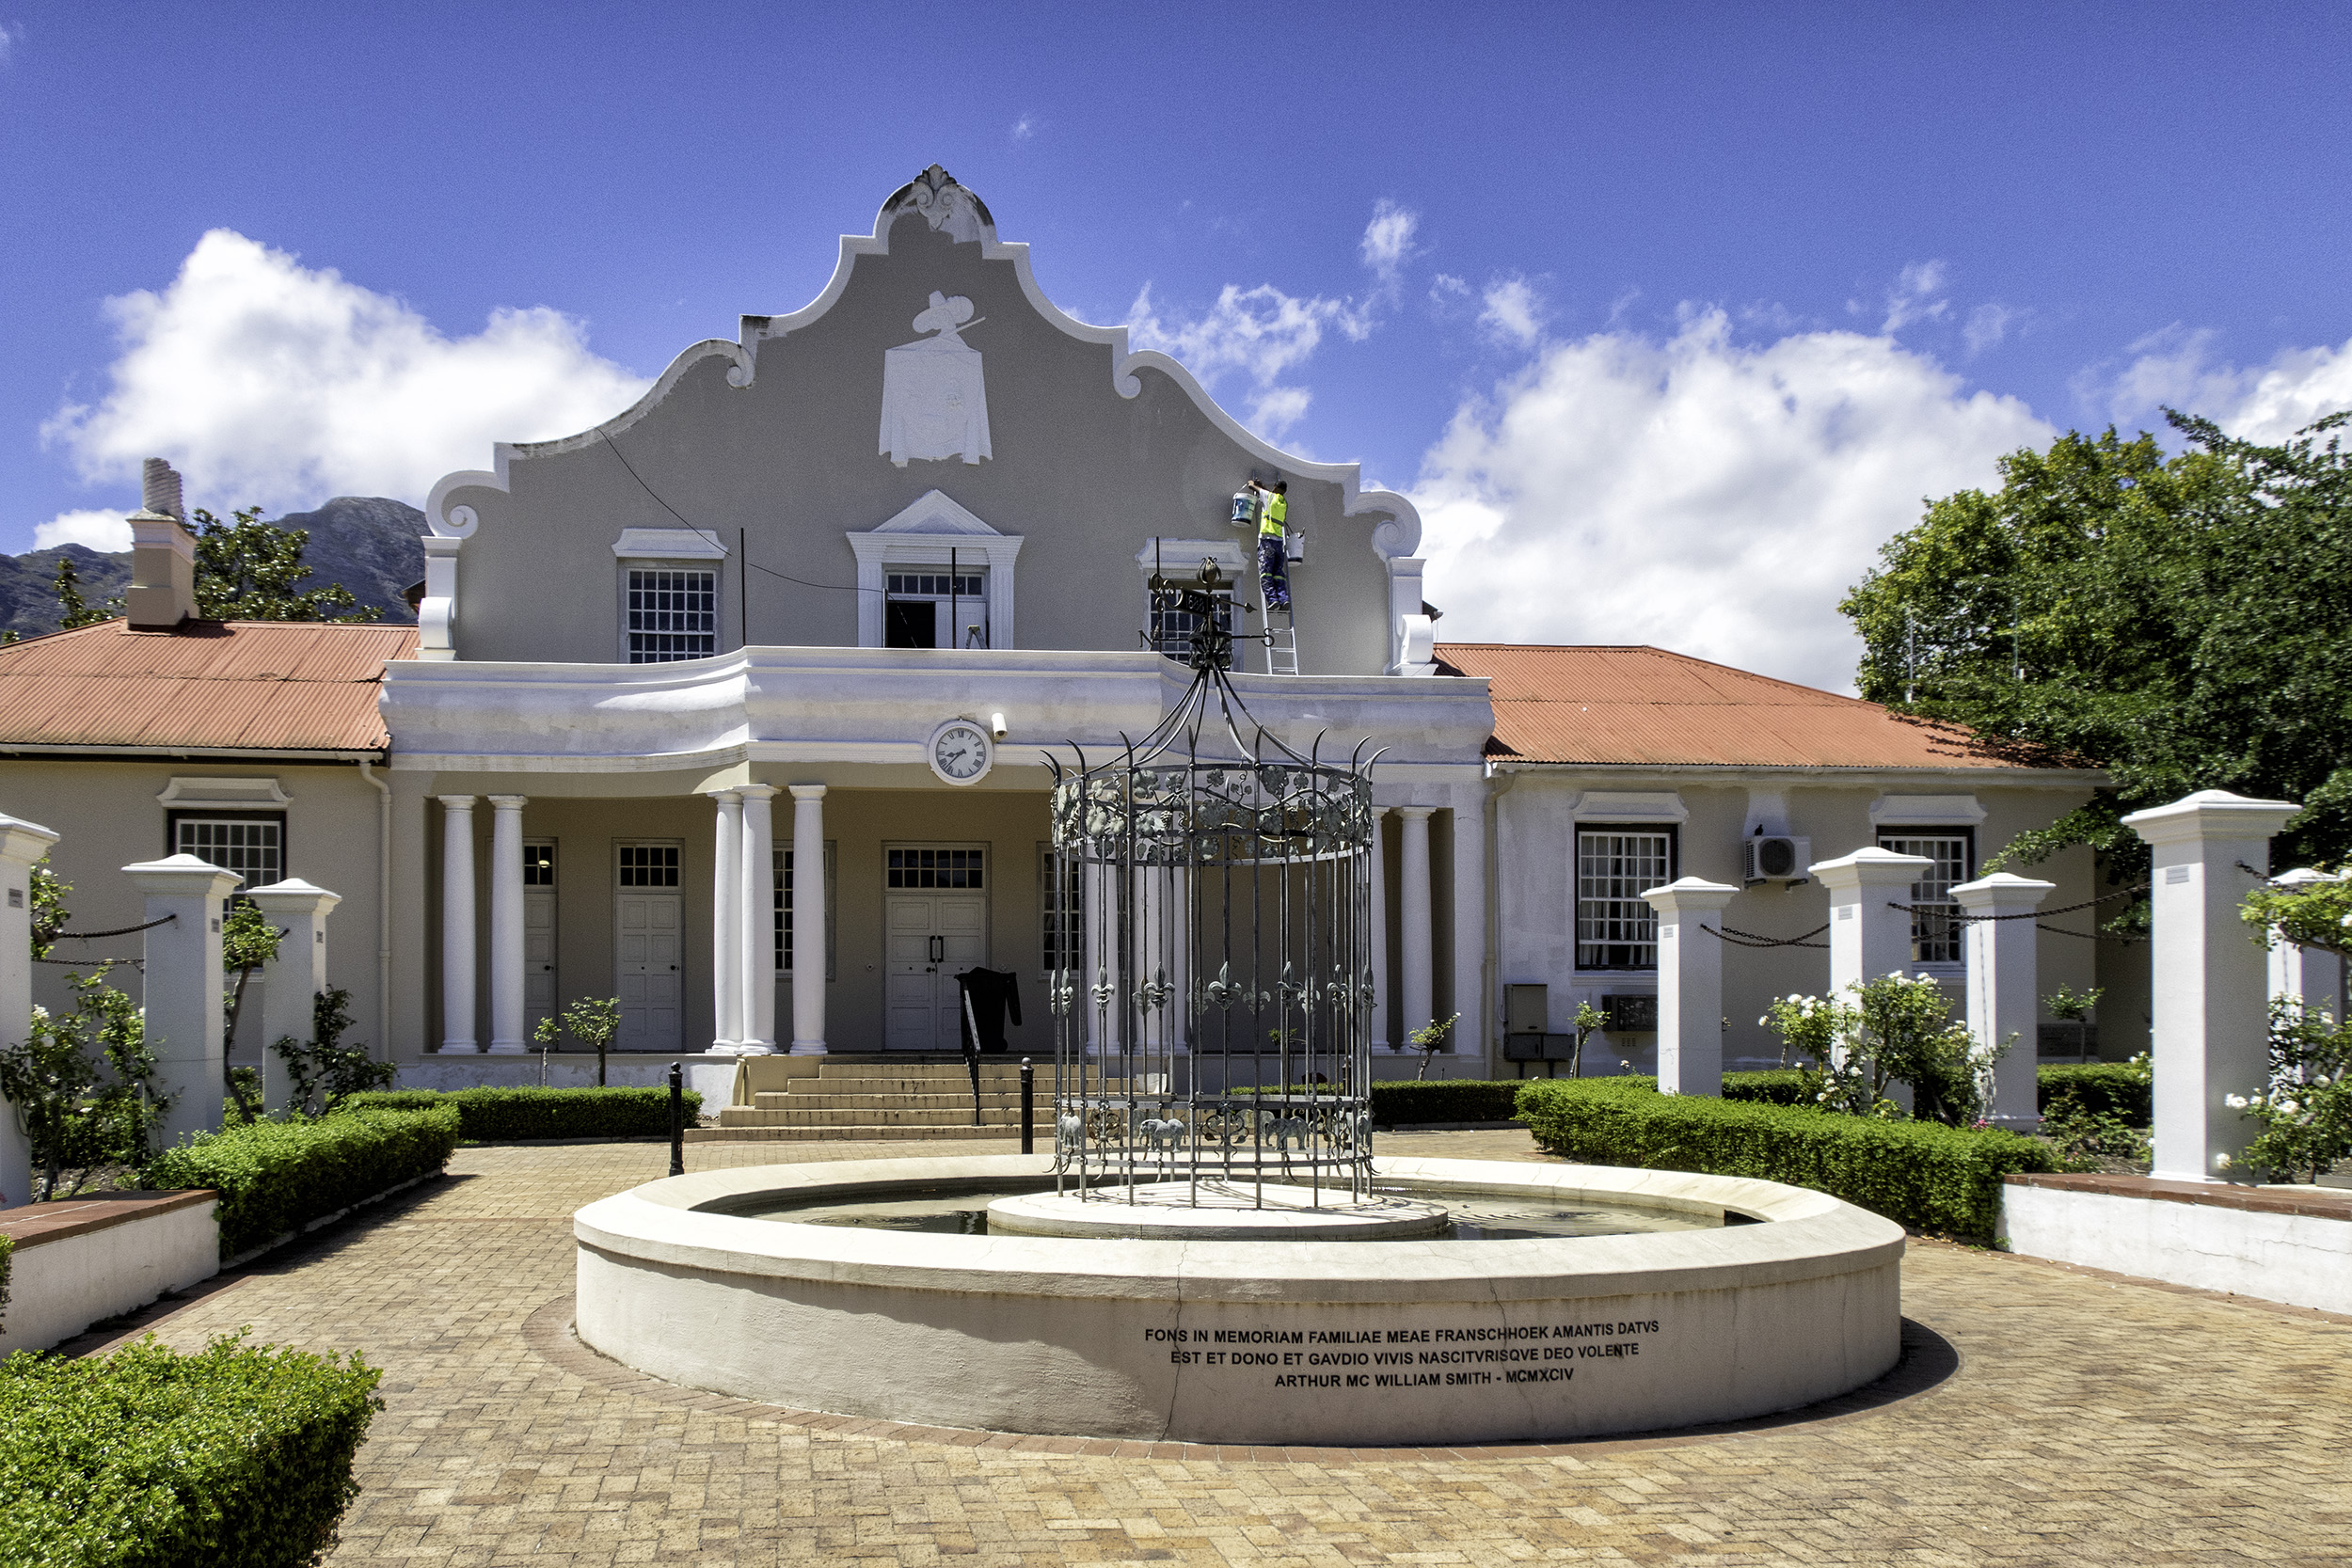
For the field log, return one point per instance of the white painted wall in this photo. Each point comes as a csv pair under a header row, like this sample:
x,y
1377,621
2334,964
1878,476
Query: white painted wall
x,y
2298,1258
59,1286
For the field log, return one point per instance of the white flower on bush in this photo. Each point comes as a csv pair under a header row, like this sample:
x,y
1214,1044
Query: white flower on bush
x,y
2235,1102
2221,1162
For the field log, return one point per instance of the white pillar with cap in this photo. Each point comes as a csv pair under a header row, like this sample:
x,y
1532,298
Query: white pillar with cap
x,y
293,978
2002,950
809,919
2208,992
2310,976
183,986
22,846
1689,984
758,967
457,923
1377,942
508,1015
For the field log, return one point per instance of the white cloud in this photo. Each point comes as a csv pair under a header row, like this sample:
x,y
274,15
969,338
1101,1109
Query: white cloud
x,y
272,384
100,530
1445,290
1387,242
1917,295
1986,327
1698,492
10,37
1023,128
1263,332
1512,311
2177,369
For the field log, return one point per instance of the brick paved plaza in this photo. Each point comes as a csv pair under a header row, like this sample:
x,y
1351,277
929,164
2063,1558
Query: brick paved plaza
x,y
2090,1420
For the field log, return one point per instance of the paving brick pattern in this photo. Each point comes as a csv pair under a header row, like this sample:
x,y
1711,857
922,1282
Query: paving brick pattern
x,y
2092,1420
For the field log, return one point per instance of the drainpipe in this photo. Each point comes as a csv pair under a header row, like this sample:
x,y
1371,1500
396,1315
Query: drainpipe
x,y
383,907
1488,1033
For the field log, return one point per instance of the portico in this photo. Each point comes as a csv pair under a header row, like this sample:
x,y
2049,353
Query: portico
x,y
624,860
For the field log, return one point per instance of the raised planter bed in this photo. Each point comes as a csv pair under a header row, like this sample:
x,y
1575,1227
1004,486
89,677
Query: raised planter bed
x,y
2291,1245
82,1259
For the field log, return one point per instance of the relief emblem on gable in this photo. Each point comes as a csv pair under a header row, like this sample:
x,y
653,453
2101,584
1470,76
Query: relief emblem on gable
x,y
934,396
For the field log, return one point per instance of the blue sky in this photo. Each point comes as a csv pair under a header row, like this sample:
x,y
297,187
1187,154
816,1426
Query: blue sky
x,y
1667,315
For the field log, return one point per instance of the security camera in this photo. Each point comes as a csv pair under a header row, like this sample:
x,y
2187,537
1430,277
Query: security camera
x,y
997,725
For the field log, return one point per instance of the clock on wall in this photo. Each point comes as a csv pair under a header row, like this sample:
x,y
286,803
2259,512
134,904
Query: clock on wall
x,y
960,751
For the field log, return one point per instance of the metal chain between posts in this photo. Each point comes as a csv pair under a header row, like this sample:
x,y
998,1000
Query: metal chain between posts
x,y
1739,938
119,931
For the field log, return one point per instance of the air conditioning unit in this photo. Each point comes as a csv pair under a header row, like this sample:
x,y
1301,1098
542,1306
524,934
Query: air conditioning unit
x,y
1768,859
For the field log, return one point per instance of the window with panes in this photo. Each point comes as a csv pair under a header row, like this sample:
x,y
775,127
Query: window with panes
x,y
673,613
251,844
1935,934
1614,865
1058,926
1170,631
783,896
926,868
648,865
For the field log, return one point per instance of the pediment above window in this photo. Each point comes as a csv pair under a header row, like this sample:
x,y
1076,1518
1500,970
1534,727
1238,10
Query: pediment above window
x,y
935,513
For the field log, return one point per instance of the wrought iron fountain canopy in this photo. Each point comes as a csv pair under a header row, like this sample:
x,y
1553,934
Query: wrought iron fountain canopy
x,y
1212,909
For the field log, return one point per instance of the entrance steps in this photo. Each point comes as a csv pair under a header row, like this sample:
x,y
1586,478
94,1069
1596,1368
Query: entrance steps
x,y
879,1097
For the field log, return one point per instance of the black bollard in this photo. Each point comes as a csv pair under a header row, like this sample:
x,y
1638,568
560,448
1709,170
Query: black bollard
x,y
677,1118
1028,1108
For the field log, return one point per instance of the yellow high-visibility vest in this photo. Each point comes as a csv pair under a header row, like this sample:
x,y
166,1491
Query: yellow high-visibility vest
x,y
1270,520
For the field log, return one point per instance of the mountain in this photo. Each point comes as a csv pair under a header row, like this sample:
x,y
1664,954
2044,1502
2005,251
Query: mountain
x,y
371,544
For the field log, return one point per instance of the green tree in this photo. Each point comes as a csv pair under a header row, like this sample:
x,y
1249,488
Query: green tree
x,y
2180,622
591,1020
84,1084
246,570
73,609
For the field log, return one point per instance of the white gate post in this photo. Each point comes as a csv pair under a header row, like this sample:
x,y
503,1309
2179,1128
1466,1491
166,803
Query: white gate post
x,y
1868,939
2312,975
20,845
1689,984
183,986
293,978
2003,972
2208,994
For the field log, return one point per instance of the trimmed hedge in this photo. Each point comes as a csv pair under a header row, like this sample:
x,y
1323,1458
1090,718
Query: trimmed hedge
x,y
509,1115
2102,1088
1773,1086
275,1177
1402,1103
148,1459
8,1253
1919,1174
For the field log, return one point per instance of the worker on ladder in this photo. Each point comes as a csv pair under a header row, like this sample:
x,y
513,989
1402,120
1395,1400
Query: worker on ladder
x,y
1274,569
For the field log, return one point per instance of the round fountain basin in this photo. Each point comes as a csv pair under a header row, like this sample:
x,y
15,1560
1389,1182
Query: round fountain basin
x,y
1311,1341
1215,1212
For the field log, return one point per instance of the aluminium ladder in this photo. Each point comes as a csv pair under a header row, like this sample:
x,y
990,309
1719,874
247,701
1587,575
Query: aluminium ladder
x,y
1282,633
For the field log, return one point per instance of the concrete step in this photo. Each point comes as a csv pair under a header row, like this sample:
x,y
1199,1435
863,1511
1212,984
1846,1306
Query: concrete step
x,y
859,1116
881,1101
851,1134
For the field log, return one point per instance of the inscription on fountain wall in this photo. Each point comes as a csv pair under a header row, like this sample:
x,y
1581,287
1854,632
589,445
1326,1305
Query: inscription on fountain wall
x,y
1439,1356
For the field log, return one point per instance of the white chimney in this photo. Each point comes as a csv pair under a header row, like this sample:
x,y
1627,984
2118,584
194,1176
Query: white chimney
x,y
163,554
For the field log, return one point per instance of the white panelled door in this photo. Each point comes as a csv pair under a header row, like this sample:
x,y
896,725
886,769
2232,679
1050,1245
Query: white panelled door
x,y
541,996
935,903
648,920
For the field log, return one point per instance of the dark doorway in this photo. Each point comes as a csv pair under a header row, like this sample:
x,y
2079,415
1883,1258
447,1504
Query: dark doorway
x,y
911,623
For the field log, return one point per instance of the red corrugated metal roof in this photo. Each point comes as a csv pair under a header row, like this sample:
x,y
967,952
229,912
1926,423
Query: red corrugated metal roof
x,y
267,686
1646,706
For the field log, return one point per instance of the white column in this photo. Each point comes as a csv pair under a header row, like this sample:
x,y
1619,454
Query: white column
x,y
2207,996
2312,975
808,920
457,923
759,919
20,845
291,979
1163,944
1473,1034
2004,1003
183,986
1098,904
726,933
1417,964
1379,933
1868,937
1689,984
507,1023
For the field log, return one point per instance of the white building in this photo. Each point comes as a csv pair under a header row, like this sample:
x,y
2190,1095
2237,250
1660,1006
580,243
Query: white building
x,y
736,707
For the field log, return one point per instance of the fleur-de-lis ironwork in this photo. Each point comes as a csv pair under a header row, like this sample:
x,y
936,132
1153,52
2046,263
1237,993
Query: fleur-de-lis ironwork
x,y
1153,993
1105,994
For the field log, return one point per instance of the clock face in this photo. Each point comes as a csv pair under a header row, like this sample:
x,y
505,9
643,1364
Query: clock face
x,y
959,751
